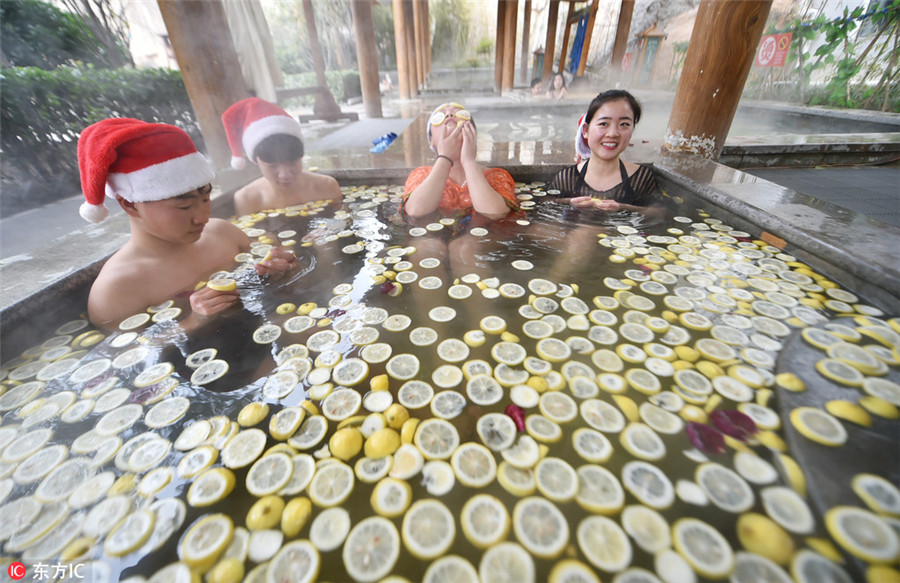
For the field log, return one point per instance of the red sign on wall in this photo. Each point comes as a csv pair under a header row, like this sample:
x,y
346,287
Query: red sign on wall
x,y
773,49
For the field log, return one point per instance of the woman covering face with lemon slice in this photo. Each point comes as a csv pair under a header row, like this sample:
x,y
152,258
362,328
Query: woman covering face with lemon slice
x,y
456,181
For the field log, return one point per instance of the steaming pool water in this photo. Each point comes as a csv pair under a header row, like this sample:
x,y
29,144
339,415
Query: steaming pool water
x,y
640,398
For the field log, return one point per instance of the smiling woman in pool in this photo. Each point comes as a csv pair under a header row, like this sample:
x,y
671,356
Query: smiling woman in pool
x,y
602,180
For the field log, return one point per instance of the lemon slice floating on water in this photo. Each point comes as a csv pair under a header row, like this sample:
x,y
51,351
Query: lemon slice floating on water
x,y
209,372
879,494
269,474
371,549
540,527
819,426
604,543
243,448
704,547
436,438
331,485
311,432
724,487
474,465
428,529
648,484
210,487
297,561
863,534
484,520
599,491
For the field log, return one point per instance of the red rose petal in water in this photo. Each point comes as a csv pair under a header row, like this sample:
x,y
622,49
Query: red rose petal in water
x,y
517,414
733,423
387,287
705,438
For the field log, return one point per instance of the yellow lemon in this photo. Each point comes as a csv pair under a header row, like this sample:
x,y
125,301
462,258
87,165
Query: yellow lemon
x,y
265,513
379,382
771,440
346,443
849,411
795,475
408,430
693,413
252,413
295,516
880,407
537,383
229,570
396,415
882,574
222,284
761,535
382,443
790,381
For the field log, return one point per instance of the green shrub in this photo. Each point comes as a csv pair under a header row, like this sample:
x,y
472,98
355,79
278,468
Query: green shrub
x,y
43,113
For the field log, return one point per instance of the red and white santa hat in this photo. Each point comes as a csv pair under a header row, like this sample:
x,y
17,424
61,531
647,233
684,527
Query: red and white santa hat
x,y
249,121
139,161
581,147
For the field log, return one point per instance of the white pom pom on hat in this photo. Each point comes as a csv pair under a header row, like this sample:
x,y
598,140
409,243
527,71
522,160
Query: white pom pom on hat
x,y
250,121
581,147
137,160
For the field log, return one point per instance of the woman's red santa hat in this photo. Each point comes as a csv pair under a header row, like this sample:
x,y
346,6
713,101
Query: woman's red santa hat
x,y
250,121
581,147
139,161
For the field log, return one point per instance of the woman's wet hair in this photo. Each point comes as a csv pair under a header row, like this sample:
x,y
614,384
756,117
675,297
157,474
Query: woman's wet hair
x,y
553,80
613,95
279,149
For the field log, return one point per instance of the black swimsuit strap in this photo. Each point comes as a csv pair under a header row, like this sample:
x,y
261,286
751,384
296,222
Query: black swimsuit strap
x,y
626,183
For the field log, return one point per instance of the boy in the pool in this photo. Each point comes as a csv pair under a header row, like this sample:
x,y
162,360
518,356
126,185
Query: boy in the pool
x,y
270,138
163,184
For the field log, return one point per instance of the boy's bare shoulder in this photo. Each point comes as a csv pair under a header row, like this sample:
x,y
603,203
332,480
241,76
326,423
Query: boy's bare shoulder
x,y
120,288
251,197
324,186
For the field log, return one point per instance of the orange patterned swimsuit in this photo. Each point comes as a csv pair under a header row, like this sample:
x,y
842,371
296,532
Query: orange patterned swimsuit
x,y
457,197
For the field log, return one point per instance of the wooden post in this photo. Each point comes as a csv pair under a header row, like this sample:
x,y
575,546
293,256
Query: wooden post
x,y
565,45
325,105
622,29
400,50
509,46
209,67
411,55
499,41
525,53
426,16
417,40
367,56
588,33
550,43
720,54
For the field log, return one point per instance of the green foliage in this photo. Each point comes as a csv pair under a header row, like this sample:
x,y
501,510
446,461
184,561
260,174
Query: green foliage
x,y
450,34
37,34
485,47
44,112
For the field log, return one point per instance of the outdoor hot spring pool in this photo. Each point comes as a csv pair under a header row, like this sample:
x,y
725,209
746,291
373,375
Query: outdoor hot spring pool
x,y
649,397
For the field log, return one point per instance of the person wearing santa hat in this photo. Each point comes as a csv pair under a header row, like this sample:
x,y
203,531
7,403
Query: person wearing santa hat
x,y
456,181
270,138
162,182
601,180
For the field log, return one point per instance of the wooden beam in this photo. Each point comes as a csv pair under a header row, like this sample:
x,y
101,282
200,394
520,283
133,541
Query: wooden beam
x,y
367,56
427,29
622,29
550,43
565,44
525,53
209,67
588,33
411,55
499,42
509,46
418,42
720,54
400,50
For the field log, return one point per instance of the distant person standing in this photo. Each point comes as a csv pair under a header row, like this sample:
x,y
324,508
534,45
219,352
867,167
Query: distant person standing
x,y
557,88
386,84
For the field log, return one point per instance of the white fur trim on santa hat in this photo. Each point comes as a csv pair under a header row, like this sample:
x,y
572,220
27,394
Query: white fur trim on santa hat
x,y
581,147
257,131
161,181
238,162
93,213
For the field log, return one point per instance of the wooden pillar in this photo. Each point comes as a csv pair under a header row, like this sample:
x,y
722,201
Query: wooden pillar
x,y
367,56
411,56
426,16
720,54
509,46
400,50
588,33
499,42
417,36
209,67
622,29
550,43
565,45
525,53
325,106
